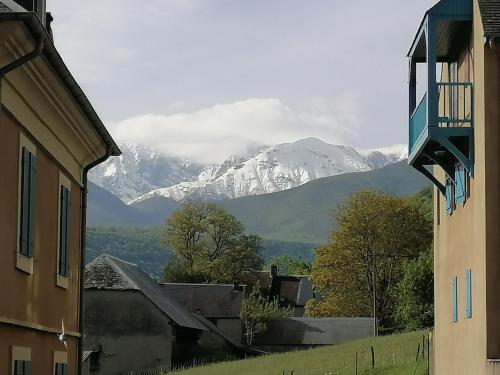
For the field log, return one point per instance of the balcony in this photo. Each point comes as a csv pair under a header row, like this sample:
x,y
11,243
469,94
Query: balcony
x,y
447,140
441,124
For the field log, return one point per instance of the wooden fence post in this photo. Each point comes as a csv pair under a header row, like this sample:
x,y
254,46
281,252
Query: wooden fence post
x,y
373,357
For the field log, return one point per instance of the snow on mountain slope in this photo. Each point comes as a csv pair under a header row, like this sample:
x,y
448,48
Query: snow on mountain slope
x,y
274,169
382,156
140,170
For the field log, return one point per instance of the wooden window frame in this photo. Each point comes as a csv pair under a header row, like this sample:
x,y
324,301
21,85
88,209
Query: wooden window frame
x,y
24,262
63,239
60,358
20,353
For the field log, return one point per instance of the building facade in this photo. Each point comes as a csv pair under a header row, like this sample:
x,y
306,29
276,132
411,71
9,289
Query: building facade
x,y
454,139
49,137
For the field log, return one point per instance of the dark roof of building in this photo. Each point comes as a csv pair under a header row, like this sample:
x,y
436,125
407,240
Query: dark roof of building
x,y
490,14
110,273
209,300
11,11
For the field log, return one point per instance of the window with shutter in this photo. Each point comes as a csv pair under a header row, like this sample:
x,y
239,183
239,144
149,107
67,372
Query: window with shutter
x,y
61,369
468,294
454,299
449,196
27,212
461,184
64,230
22,367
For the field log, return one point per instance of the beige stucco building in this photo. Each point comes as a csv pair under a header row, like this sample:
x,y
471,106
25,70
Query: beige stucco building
x,y
454,131
50,136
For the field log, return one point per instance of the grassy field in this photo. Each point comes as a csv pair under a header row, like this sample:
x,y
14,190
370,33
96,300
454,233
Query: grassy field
x,y
394,355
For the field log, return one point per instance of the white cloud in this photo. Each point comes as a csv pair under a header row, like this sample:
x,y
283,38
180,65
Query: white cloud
x,y
211,134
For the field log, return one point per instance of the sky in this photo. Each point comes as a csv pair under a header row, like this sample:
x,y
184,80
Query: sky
x,y
204,79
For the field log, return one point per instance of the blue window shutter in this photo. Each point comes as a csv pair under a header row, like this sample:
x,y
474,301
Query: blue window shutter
x,y
454,299
62,231
468,293
24,220
461,187
32,189
449,196
68,229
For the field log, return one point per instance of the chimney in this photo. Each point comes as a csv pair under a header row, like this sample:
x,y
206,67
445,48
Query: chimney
x,y
236,286
274,270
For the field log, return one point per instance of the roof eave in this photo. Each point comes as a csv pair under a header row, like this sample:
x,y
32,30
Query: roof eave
x,y
36,28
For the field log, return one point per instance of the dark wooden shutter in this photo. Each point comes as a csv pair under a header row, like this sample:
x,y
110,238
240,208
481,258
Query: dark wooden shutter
x,y
68,230
32,190
27,368
62,232
24,220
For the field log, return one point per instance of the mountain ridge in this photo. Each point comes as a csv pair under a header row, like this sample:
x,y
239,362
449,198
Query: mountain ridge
x,y
276,168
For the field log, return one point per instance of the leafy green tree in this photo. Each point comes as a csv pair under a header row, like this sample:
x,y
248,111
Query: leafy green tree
x,y
257,310
288,265
209,245
360,266
415,294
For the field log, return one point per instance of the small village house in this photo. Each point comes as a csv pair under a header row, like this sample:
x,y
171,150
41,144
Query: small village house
x,y
132,322
455,130
50,136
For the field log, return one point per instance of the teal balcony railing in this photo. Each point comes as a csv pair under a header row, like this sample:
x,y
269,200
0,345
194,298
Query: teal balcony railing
x,y
455,109
418,122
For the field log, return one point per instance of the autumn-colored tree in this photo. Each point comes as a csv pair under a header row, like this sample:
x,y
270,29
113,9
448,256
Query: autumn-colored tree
x,y
208,245
363,261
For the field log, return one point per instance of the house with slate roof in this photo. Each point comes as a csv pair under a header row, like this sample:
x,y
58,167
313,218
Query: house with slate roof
x,y
50,136
133,322
454,140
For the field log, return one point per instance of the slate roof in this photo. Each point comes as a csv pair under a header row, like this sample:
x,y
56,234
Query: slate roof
x,y
110,273
490,13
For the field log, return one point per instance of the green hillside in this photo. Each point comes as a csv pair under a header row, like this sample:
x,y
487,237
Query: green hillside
x,y
304,214
394,355
143,247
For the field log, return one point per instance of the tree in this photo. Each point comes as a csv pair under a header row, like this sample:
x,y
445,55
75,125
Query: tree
x,y
357,270
415,294
288,265
209,245
257,310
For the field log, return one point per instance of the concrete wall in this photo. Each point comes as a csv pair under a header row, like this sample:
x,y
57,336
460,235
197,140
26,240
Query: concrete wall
x,y
310,331
131,332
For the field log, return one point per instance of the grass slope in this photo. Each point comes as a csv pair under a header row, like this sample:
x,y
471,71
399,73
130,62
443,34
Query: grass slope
x,y
394,355
304,214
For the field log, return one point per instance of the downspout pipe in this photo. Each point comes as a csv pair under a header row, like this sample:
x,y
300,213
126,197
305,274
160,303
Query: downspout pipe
x,y
83,229
39,44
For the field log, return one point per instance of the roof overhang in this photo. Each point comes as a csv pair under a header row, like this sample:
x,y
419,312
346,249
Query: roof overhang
x,y
37,30
453,25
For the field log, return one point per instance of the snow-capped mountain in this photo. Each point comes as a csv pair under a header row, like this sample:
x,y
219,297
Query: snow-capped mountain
x,y
140,170
380,157
277,168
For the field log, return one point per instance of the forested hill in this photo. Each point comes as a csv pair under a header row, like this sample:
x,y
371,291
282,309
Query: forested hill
x,y
302,214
